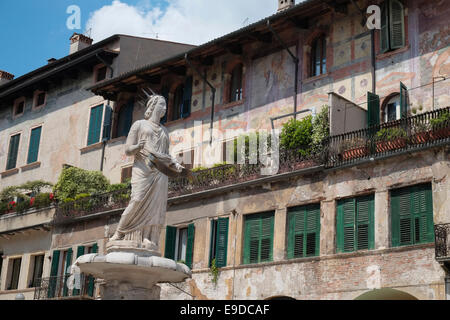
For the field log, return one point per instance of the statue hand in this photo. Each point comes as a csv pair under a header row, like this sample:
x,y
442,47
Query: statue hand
x,y
141,144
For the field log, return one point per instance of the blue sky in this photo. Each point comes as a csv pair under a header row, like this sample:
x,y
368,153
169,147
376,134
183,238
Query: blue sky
x,y
34,31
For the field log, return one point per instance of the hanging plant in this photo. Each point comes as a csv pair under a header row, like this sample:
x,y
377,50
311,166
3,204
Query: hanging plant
x,y
214,271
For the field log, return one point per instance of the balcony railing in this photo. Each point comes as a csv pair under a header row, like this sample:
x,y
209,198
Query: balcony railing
x,y
413,133
442,241
417,132
57,288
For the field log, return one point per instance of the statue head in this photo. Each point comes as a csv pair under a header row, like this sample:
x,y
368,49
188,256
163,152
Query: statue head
x,y
156,107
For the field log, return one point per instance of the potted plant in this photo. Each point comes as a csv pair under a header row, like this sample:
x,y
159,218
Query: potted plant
x,y
440,126
420,133
389,139
354,148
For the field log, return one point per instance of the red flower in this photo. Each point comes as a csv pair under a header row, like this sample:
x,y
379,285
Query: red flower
x,y
32,201
12,203
52,196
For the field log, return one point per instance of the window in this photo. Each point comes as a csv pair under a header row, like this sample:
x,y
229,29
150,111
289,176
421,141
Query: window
x,y
15,273
95,125
178,102
89,281
258,237
392,35
180,244
38,264
412,215
126,174
319,56
125,119
101,74
236,84
60,271
12,152
39,99
19,107
219,242
303,231
187,159
355,224
33,149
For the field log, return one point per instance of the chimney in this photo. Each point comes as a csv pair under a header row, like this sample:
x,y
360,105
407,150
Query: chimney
x,y
5,77
285,4
78,42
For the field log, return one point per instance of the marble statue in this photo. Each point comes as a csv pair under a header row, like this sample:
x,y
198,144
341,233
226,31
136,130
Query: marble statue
x,y
148,142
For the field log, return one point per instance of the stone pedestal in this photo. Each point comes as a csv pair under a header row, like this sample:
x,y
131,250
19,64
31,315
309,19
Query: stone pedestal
x,y
131,273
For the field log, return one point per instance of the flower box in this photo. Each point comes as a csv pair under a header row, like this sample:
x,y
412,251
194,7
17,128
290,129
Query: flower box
x,y
354,153
383,146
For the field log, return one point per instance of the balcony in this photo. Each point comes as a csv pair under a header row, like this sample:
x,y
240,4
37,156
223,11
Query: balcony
x,y
56,288
405,135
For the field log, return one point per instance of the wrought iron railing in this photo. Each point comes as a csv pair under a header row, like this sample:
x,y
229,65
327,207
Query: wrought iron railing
x,y
415,132
108,201
82,287
442,241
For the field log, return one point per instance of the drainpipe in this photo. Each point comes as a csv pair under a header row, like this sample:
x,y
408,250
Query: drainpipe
x,y
104,142
296,62
213,94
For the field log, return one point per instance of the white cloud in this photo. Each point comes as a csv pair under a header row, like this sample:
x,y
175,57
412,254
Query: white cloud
x,y
187,21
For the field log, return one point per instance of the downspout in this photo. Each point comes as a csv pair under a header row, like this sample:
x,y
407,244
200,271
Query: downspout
x,y
213,94
296,62
104,144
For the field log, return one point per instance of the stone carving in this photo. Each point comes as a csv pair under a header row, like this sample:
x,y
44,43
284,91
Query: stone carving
x,y
148,141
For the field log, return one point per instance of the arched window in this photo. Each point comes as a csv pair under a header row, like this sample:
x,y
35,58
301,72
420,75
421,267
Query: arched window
x,y
392,109
124,119
236,84
318,56
178,102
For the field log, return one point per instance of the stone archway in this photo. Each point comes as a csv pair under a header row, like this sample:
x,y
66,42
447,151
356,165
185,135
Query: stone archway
x,y
386,294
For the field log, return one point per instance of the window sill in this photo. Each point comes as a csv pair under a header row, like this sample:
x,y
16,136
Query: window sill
x,y
231,104
10,172
30,166
16,116
92,147
118,139
385,55
38,108
315,78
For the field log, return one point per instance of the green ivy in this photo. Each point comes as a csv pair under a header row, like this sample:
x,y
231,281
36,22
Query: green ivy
x,y
214,271
75,181
321,129
441,121
388,134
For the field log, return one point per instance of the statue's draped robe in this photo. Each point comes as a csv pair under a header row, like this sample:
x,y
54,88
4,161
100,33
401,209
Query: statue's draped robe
x,y
149,185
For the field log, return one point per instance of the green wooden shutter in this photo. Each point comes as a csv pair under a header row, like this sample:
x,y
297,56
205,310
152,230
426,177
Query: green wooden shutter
x,y
213,241
258,238
171,237
107,124
252,238
13,151
33,149
384,32
403,100
190,245
95,124
346,225
91,279
53,274
66,271
365,237
401,218
422,211
373,109
80,252
222,242
397,27
187,97
304,231
165,94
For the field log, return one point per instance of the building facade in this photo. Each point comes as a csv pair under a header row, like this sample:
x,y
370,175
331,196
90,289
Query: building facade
x,y
360,219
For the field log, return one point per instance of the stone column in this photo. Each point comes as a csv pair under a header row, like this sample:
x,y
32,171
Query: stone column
x,y
382,221
279,240
327,227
